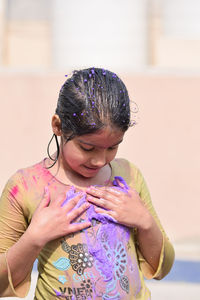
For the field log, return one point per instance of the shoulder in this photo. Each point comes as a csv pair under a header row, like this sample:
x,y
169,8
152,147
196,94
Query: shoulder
x,y
131,174
27,176
122,162
25,187
37,168
35,172
126,169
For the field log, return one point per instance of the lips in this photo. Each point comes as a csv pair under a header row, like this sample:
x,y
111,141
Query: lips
x,y
91,168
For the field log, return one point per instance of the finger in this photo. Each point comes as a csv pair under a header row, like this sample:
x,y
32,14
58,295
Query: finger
x,y
45,200
110,190
69,195
114,191
62,199
78,226
111,215
101,202
119,181
100,210
73,202
78,211
101,193
58,200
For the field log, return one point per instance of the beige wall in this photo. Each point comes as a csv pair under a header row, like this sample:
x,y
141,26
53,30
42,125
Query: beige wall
x,y
165,144
168,53
27,44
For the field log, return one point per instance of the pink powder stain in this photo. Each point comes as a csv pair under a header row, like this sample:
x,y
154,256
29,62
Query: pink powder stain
x,y
24,183
42,170
45,172
34,178
14,190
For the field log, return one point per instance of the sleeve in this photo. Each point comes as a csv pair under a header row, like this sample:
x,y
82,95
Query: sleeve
x,y
167,252
13,224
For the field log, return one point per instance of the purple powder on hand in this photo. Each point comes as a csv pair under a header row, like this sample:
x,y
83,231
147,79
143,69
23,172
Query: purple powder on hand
x,y
121,179
103,218
69,195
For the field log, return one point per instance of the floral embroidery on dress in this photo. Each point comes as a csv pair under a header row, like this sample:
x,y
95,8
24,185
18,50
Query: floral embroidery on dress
x,y
62,264
79,257
124,283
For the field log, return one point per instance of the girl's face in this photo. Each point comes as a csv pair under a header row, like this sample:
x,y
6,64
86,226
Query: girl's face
x,y
87,154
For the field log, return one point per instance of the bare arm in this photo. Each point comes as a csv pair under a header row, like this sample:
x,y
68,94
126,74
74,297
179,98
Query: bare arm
x,y
150,241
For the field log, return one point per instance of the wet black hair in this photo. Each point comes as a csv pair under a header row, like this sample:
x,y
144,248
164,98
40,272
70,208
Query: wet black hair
x,y
91,99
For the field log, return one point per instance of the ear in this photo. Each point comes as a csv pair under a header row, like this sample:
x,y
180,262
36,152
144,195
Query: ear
x,y
56,125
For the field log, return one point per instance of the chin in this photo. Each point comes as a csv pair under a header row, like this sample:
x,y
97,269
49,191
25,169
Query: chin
x,y
86,175
83,172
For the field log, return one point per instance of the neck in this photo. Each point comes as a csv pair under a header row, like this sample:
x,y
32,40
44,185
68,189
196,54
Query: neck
x,y
67,176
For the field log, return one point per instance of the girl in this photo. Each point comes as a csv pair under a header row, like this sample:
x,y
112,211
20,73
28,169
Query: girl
x,y
85,215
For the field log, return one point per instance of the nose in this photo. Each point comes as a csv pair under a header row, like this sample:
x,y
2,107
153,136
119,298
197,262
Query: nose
x,y
99,160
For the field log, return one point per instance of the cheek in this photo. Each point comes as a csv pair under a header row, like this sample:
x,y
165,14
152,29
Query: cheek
x,y
73,157
111,155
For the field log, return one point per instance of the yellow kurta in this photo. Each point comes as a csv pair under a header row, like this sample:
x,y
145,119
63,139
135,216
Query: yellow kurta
x,y
101,262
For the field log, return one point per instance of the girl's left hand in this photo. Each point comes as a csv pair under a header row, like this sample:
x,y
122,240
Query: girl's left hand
x,y
126,208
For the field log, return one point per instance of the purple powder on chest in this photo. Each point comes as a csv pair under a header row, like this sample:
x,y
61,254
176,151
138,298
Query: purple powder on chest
x,y
108,235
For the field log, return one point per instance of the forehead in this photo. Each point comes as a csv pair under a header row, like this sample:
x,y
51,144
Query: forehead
x,y
104,138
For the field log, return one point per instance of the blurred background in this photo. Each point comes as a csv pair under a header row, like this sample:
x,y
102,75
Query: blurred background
x,y
154,46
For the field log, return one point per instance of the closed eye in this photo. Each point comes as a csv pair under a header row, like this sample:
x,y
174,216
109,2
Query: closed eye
x,y
86,149
113,148
91,149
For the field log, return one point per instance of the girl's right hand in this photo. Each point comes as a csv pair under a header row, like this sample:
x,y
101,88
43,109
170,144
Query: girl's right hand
x,y
51,221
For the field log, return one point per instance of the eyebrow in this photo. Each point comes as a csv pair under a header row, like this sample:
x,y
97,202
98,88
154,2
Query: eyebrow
x,y
89,144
